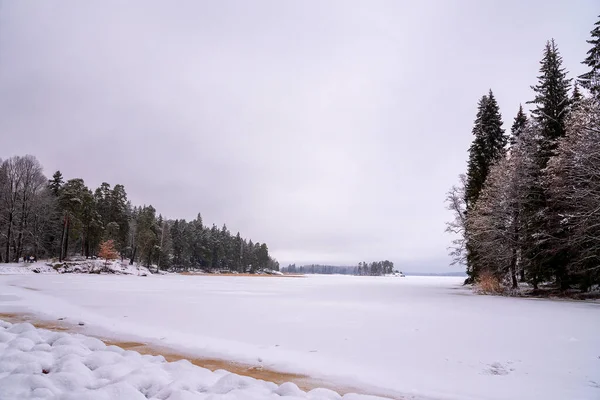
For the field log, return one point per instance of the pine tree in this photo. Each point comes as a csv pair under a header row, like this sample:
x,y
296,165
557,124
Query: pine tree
x,y
178,243
576,98
517,126
118,213
552,110
165,245
551,99
574,188
591,79
74,201
147,235
487,148
237,252
262,256
56,183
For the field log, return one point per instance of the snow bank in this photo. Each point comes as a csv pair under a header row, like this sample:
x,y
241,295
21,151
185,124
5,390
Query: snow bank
x,y
36,363
80,266
23,269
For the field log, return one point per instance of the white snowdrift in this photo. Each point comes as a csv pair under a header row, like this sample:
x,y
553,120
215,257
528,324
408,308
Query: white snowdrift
x,y
24,269
36,363
78,267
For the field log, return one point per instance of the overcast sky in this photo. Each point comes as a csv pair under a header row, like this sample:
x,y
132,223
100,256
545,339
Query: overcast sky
x,y
330,130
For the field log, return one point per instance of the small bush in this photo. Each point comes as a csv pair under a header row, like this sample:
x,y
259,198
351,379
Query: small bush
x,y
488,283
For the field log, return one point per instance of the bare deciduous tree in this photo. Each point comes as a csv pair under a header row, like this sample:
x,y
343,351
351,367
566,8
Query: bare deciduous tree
x,y
20,184
455,200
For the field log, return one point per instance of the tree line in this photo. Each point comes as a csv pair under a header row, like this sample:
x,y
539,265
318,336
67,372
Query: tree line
x,y
528,207
376,268
55,218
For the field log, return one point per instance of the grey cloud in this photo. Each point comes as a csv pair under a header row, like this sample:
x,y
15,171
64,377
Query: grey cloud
x,y
330,130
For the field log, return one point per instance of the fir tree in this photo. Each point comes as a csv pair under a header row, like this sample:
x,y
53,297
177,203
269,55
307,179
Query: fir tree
x,y
576,98
487,148
551,99
118,213
55,184
552,109
591,79
517,126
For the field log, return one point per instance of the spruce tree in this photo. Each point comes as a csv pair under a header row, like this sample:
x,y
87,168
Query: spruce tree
x,y
591,79
517,126
551,99
552,109
576,98
56,183
487,148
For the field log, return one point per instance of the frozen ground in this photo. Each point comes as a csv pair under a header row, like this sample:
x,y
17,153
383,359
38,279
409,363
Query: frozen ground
x,y
416,336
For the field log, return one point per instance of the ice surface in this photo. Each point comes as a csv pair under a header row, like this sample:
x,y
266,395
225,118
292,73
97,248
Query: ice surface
x,y
423,337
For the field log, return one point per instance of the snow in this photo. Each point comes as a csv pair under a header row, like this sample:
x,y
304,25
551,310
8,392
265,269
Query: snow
x,y
36,363
81,266
26,268
419,337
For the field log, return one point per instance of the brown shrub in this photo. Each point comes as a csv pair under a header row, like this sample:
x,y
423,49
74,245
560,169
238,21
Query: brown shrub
x,y
488,283
107,251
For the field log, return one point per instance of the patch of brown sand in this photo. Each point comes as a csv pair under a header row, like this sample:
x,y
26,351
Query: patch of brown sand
x,y
191,273
304,382
212,363
58,325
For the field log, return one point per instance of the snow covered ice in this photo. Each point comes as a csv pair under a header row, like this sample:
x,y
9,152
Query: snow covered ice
x,y
415,337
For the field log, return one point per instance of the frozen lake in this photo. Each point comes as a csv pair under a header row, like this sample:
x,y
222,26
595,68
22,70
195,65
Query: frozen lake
x,y
420,336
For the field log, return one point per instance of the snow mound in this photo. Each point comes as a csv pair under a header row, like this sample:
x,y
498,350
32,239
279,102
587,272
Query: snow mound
x,y
78,266
24,269
36,363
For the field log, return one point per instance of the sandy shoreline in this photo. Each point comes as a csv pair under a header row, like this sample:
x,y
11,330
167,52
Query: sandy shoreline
x,y
191,273
304,382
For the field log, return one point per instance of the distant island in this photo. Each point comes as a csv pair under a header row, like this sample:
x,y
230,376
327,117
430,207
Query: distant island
x,y
453,273
377,268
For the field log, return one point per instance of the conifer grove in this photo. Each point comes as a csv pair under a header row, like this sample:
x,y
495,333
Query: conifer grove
x,y
528,207
54,218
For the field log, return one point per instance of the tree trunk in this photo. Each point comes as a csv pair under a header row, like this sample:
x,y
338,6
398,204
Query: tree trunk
x,y
162,237
8,236
87,248
19,246
133,255
22,222
14,246
67,228
513,269
62,240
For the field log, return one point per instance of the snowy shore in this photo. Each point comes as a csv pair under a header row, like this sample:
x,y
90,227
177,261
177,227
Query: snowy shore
x,y
41,364
415,337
